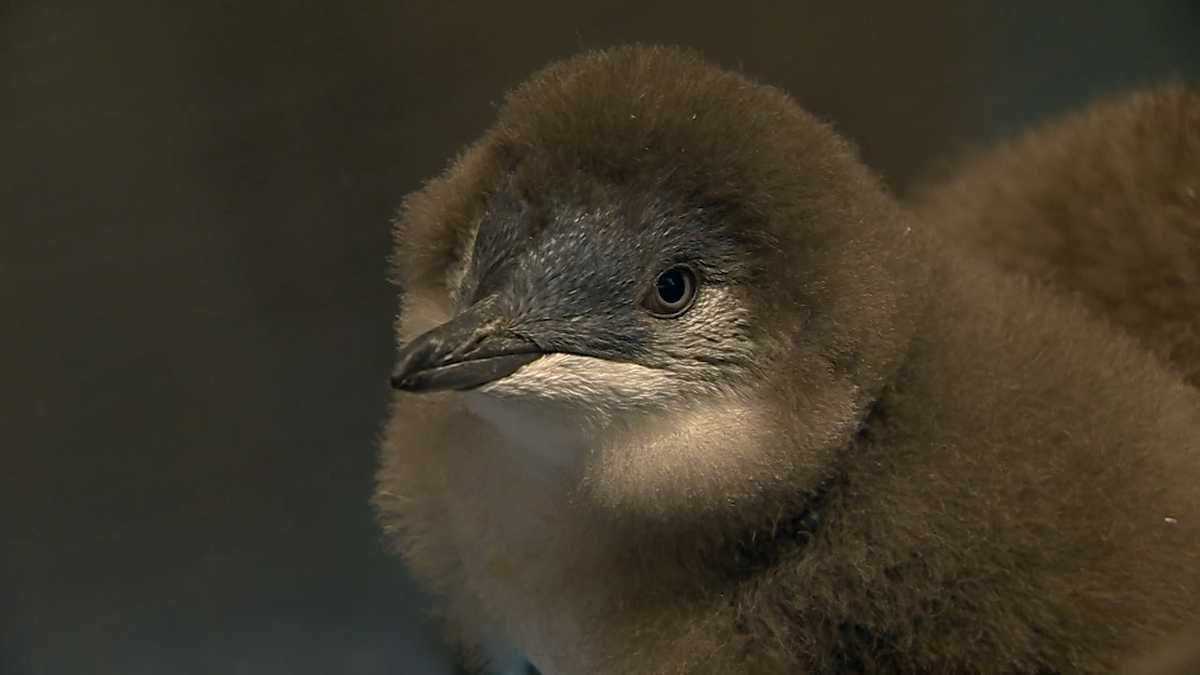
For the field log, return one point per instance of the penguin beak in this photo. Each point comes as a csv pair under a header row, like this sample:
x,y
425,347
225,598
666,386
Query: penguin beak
x,y
466,352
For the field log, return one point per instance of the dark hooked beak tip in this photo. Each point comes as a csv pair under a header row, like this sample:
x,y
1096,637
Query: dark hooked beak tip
x,y
461,375
464,353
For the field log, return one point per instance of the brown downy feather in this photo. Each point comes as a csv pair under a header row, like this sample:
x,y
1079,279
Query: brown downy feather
x,y
1103,203
1178,657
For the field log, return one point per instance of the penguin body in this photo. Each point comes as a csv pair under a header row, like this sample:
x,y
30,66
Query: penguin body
x,y
684,390
1102,203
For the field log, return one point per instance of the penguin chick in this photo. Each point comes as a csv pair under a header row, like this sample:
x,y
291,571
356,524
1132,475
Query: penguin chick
x,y
1103,203
682,389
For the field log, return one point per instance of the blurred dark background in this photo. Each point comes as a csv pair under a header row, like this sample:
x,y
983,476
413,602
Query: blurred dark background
x,y
194,319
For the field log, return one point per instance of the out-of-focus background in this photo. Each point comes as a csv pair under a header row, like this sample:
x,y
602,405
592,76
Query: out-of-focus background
x,y
194,319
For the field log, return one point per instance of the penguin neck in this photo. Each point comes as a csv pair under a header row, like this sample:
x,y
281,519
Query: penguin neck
x,y
757,548
627,475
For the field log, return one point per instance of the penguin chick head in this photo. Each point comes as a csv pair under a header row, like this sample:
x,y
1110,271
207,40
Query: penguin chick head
x,y
697,267
592,308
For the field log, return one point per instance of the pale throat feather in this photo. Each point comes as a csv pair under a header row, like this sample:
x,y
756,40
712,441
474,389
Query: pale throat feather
x,y
618,430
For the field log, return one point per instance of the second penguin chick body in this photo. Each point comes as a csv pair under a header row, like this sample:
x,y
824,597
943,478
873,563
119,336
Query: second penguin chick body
x,y
1103,203
697,396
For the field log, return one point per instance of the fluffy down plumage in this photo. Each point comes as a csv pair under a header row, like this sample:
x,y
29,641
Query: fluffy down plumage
x,y
1104,204
912,461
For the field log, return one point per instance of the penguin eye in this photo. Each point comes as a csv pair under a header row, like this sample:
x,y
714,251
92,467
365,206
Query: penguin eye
x,y
673,293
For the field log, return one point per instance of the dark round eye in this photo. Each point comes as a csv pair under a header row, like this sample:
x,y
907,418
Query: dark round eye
x,y
673,293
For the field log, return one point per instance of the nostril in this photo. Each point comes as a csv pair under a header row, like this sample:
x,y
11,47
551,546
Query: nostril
x,y
469,346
